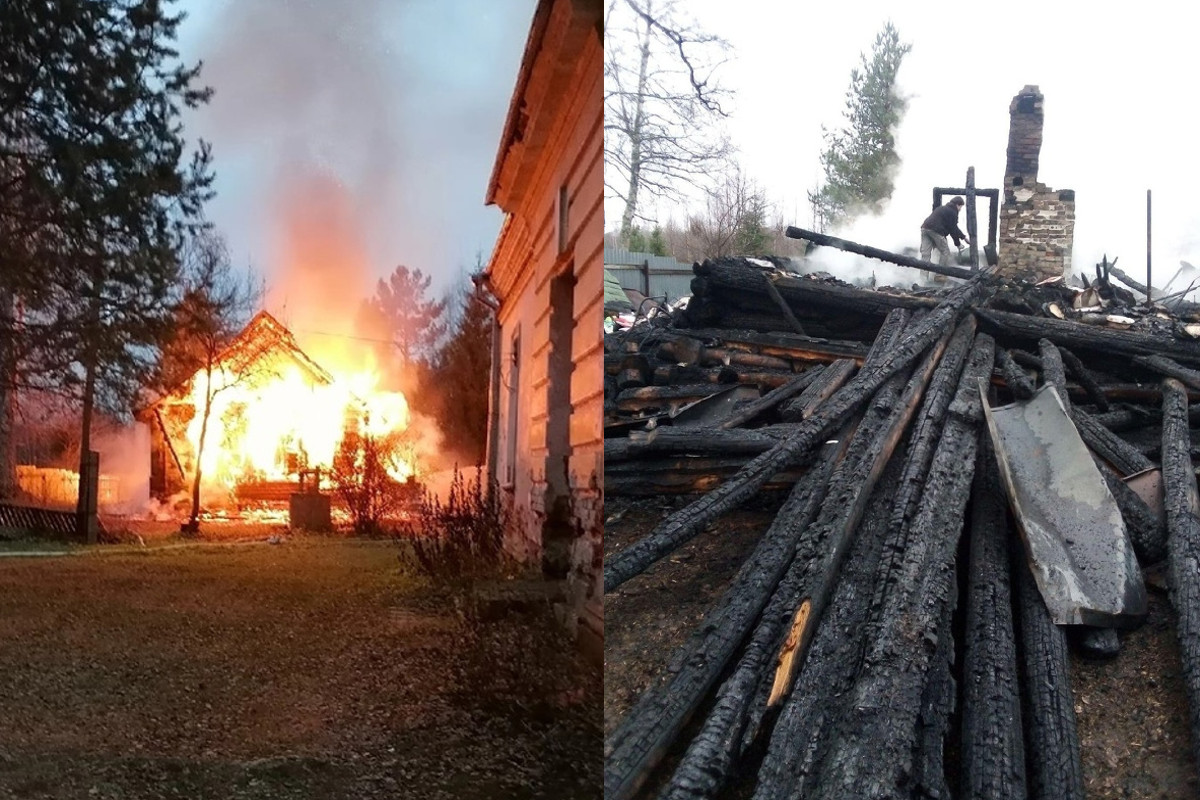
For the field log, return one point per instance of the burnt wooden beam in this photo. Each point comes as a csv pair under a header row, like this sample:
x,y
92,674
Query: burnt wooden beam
x,y
1015,378
874,252
1123,456
771,399
717,356
642,737
1085,377
1076,335
992,754
1171,369
1055,768
828,382
674,375
1183,525
728,283
884,422
687,441
782,345
682,525
873,748
791,760
707,763
784,308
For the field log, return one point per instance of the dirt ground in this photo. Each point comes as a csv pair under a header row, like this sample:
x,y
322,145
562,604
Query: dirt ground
x,y
314,668
1132,711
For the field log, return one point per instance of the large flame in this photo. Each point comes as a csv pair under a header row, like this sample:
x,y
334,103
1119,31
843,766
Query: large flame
x,y
269,423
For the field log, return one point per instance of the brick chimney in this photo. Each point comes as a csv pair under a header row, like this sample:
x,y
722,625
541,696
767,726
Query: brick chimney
x,y
1037,223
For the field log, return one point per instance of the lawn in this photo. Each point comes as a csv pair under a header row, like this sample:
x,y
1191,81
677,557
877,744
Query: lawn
x,y
308,669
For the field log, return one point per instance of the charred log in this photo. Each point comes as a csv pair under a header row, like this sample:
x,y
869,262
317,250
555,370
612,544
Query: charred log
x,y
785,345
1123,456
874,252
643,736
674,375
1183,525
1052,736
772,398
1171,369
1085,377
832,666
1147,533
874,746
1075,335
993,756
829,381
1015,378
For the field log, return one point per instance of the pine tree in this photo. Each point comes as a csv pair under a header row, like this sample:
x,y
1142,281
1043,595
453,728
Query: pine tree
x,y
98,194
414,324
463,371
860,159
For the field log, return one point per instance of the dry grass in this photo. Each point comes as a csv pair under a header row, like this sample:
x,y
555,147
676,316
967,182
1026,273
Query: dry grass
x,y
314,668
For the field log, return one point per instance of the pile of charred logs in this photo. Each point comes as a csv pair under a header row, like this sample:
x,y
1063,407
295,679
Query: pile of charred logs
x,y
830,667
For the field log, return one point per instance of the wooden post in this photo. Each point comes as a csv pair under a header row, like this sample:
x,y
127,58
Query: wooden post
x,y
972,225
1149,283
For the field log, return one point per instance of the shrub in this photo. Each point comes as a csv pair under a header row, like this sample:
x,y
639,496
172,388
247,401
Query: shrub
x,y
462,538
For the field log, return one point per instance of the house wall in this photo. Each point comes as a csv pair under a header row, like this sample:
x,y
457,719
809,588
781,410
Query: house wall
x,y
549,280
1037,223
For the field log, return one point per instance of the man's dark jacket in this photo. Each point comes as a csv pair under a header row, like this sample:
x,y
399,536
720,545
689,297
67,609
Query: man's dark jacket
x,y
944,220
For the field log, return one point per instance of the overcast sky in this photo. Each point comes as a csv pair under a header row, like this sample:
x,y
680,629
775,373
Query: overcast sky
x,y
378,118
1119,109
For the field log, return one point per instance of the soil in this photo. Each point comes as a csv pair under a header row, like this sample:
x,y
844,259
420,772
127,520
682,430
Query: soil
x,y
1132,710
312,668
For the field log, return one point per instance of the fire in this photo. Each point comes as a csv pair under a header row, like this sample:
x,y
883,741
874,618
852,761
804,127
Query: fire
x,y
275,419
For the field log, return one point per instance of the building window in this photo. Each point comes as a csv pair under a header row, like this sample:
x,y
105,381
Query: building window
x,y
563,227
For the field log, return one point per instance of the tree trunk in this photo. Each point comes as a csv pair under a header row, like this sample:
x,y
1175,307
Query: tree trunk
x,y
193,524
635,136
83,517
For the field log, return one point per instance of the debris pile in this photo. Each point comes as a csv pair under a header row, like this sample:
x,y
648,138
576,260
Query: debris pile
x,y
830,667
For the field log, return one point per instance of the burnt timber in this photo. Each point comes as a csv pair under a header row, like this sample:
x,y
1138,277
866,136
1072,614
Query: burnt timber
x,y
852,592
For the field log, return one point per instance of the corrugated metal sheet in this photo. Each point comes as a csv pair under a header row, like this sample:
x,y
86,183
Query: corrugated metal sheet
x,y
666,275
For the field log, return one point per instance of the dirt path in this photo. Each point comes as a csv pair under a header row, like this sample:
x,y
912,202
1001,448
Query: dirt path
x,y
308,669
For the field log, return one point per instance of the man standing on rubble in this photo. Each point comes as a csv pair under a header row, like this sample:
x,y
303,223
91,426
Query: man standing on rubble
x,y
937,226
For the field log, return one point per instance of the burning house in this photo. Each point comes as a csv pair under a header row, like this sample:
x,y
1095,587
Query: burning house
x,y
275,415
